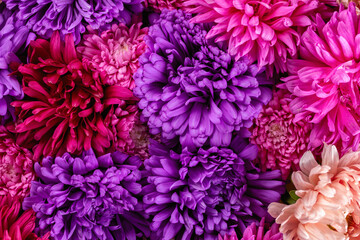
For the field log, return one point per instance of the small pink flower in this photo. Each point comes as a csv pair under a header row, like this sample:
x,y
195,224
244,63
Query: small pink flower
x,y
328,207
281,140
16,166
265,31
114,54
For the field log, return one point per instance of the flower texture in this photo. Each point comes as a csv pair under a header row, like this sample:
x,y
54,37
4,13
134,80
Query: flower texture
x,y
231,236
159,5
14,35
98,196
114,54
328,207
15,226
16,166
265,31
191,88
281,140
198,195
44,17
67,108
325,81
252,232
346,4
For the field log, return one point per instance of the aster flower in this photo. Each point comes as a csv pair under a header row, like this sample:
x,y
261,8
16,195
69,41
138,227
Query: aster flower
x,y
265,31
231,236
15,226
13,36
44,17
191,88
252,232
325,80
209,192
328,204
99,196
16,166
281,140
114,54
67,108
159,5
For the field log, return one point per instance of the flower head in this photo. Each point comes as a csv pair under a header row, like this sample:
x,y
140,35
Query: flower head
x,y
328,207
252,232
325,81
67,108
281,140
99,196
15,226
265,31
44,17
198,195
13,36
16,166
191,88
114,54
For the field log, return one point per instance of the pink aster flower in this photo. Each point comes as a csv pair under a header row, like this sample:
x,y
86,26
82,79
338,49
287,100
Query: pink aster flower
x,y
328,207
114,54
326,80
16,166
252,232
231,236
281,140
15,226
159,5
265,31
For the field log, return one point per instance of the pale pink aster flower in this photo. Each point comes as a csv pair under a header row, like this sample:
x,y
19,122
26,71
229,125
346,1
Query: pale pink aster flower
x,y
16,166
326,80
328,207
264,30
281,140
114,54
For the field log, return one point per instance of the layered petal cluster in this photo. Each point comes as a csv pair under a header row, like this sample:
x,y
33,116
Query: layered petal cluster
x,y
72,16
16,226
189,87
67,108
198,195
87,197
14,35
16,166
328,207
265,31
253,232
114,54
325,81
346,4
231,236
281,140
159,5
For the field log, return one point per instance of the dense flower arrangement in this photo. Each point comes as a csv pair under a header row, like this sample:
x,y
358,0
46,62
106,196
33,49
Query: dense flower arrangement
x,y
180,119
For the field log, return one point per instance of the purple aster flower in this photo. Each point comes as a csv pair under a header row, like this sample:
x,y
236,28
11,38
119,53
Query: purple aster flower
x,y
13,36
190,87
88,197
72,16
205,193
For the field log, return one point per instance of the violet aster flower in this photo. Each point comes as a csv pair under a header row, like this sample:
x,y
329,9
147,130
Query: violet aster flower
x,y
88,197
44,17
209,192
13,35
189,87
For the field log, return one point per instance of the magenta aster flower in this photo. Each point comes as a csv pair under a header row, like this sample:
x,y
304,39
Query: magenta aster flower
x,y
265,31
326,80
281,140
66,107
16,166
252,232
114,54
231,236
